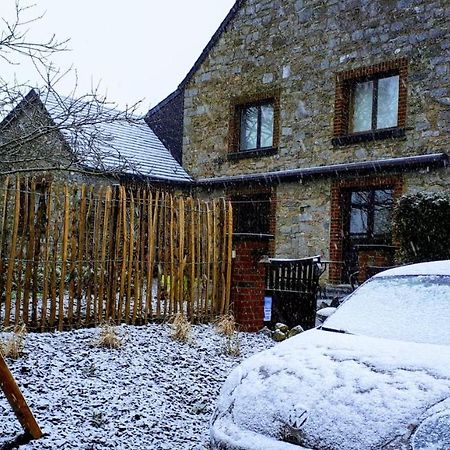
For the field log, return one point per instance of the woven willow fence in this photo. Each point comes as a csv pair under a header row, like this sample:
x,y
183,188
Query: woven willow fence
x,y
75,256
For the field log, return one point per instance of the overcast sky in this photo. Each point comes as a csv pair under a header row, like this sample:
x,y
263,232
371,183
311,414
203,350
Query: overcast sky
x,y
135,48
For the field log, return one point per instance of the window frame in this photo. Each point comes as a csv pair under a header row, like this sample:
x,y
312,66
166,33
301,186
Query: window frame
x,y
238,105
375,78
369,236
338,240
344,103
259,106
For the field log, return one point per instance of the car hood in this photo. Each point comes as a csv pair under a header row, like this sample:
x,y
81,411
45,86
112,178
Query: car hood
x,y
326,390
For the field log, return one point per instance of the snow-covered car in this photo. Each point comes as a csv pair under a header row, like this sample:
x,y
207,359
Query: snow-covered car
x,y
376,375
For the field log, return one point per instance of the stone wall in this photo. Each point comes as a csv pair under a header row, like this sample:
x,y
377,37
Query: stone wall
x,y
45,150
299,53
303,224
304,211
296,48
427,181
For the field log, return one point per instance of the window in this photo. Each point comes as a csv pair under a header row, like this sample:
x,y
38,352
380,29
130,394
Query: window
x,y
370,103
375,104
361,224
252,214
256,126
370,214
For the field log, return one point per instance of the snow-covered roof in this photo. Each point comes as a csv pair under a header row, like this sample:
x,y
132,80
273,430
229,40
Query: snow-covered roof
x,y
123,144
427,268
131,142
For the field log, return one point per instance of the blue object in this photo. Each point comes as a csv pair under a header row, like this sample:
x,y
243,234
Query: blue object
x,y
267,309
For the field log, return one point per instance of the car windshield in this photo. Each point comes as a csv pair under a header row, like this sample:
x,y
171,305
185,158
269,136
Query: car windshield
x,y
408,308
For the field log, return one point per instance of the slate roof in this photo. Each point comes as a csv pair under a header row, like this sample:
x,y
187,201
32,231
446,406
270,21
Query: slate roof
x,y
131,146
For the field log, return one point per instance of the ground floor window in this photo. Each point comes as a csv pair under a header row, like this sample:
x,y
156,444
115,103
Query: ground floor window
x,y
252,214
361,225
369,214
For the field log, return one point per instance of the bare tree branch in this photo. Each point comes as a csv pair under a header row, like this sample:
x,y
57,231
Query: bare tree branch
x,y
13,38
47,131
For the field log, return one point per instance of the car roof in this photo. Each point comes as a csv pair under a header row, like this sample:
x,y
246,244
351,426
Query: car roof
x,y
427,268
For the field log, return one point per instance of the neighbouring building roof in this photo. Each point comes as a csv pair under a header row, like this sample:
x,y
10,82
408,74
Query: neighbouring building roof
x,y
167,123
130,145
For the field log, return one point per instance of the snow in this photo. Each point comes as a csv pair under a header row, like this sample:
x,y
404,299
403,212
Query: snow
x,y
408,308
355,392
316,258
152,393
326,312
433,433
428,268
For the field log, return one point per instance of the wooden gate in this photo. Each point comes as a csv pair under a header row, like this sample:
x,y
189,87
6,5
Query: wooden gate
x,y
293,286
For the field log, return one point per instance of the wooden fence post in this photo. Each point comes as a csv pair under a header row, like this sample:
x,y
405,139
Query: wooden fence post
x,y
17,401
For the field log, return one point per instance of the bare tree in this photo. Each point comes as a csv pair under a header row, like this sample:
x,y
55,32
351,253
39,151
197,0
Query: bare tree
x,y
41,130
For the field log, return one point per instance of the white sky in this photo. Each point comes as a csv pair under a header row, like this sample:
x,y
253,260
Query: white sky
x,y
135,48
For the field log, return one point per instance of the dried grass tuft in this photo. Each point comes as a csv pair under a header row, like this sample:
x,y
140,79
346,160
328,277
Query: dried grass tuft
x,y
181,328
108,337
232,345
13,347
226,325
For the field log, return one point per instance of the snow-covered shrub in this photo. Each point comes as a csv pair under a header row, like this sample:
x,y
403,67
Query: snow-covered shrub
x,y
98,419
226,325
422,227
232,345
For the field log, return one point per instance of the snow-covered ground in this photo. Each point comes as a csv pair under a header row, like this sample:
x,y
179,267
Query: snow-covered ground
x,y
152,393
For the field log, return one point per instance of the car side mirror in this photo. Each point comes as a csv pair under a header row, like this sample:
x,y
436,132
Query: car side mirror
x,y
324,313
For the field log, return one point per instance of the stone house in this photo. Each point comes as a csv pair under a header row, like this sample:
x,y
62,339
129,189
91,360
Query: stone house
x,y
313,117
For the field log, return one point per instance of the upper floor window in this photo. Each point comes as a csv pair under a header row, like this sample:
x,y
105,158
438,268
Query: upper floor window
x,y
375,104
256,126
370,103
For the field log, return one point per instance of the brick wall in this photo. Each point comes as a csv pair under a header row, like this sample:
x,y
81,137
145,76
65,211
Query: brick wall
x,y
248,283
248,276
377,258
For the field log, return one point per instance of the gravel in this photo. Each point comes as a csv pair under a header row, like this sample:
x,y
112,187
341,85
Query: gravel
x,y
152,393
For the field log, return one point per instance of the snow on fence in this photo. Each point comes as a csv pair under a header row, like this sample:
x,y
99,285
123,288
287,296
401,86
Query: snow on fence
x,y
75,256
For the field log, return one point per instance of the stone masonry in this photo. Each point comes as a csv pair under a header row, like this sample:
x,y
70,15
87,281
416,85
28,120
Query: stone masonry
x,y
302,54
296,49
